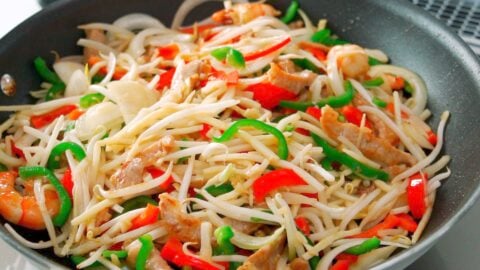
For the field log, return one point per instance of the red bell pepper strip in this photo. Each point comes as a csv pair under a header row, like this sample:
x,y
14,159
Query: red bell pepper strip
x,y
354,116
17,151
257,54
274,180
406,222
200,28
315,112
302,225
230,78
432,137
318,52
147,217
341,265
155,173
75,114
391,109
416,195
165,79
172,251
269,95
39,121
67,182
205,129
168,52
389,222
347,257
398,83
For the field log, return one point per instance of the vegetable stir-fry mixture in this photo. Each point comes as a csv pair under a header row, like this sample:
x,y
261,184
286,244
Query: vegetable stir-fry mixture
x,y
255,139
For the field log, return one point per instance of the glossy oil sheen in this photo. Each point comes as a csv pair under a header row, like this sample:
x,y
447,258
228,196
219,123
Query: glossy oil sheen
x,y
411,38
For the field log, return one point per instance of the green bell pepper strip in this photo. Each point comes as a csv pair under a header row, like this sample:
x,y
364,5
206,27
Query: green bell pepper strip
x,y
321,35
380,103
233,129
327,164
65,201
408,88
291,12
235,59
144,252
223,235
44,72
3,168
217,190
365,247
232,56
55,90
373,83
333,101
121,254
90,100
97,79
357,167
54,158
137,202
304,63
374,61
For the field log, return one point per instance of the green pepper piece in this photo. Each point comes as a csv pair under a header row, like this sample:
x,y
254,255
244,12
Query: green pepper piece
x,y
3,168
44,72
321,36
408,88
380,103
147,246
291,12
55,90
90,100
54,158
333,101
327,164
235,59
65,201
356,166
217,190
223,236
233,129
137,202
121,254
374,61
373,83
97,78
221,53
365,247
304,63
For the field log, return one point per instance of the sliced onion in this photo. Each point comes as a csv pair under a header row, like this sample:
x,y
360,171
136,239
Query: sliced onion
x,y
65,69
77,84
136,21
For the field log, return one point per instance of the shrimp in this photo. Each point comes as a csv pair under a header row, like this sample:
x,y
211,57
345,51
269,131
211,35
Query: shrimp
x,y
21,209
352,60
243,13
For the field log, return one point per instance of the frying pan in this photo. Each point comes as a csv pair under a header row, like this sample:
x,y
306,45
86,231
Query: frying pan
x,y
411,38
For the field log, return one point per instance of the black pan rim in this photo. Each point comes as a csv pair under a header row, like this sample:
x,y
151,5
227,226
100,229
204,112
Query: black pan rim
x,y
402,8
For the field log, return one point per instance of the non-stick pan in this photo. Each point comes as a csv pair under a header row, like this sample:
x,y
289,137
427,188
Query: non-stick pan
x,y
411,37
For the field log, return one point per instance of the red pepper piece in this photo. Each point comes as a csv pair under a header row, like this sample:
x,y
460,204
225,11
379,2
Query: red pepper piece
x,y
75,114
230,78
406,222
17,151
354,116
315,112
432,137
302,225
155,173
117,246
39,121
274,180
117,75
200,28
165,79
172,251
391,109
341,265
416,195
347,257
168,52
398,83
303,131
389,222
205,129
267,51
149,216
269,95
317,51
67,182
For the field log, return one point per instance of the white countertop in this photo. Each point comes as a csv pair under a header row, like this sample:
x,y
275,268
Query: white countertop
x,y
458,249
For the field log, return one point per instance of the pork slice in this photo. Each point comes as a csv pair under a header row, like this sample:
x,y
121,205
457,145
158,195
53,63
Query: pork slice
x,y
294,82
374,148
130,174
95,35
298,264
180,225
242,226
265,258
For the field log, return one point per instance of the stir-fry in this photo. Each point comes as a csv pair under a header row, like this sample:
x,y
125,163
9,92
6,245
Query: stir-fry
x,y
250,140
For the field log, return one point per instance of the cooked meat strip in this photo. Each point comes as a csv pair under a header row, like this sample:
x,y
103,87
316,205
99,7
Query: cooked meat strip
x,y
130,174
294,82
95,35
265,258
178,224
299,264
242,226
